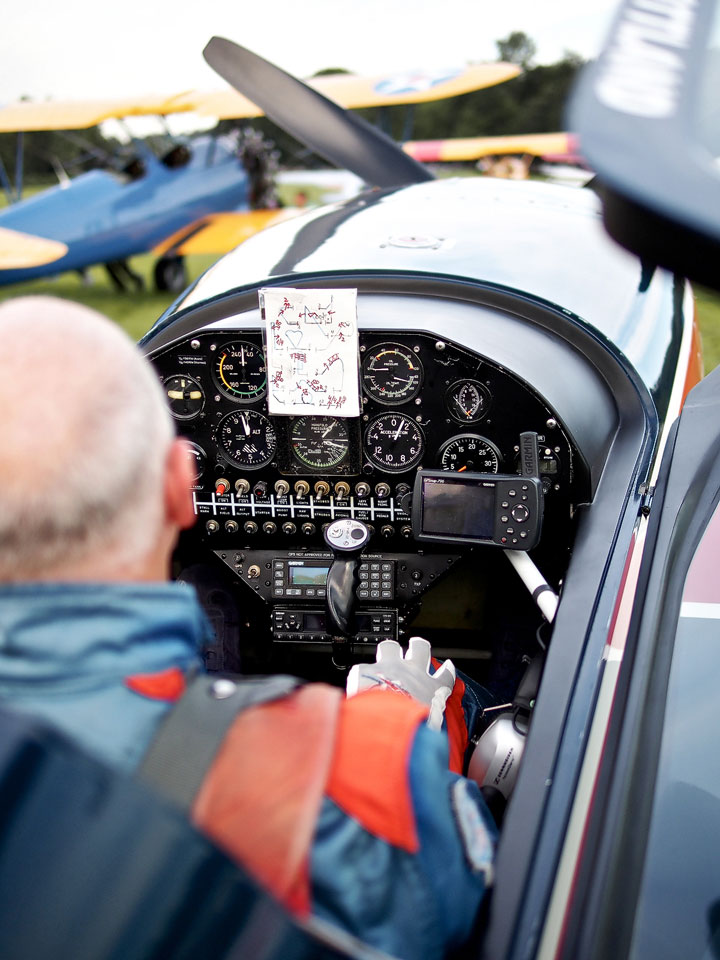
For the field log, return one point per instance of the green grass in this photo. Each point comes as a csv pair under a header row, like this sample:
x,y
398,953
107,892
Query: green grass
x,y
708,311
135,312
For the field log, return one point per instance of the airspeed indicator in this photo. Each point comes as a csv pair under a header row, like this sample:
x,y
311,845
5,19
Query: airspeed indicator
x,y
239,371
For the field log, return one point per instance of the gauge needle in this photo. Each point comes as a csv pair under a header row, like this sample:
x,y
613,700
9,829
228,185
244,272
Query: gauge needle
x,y
242,355
461,469
328,430
246,425
399,430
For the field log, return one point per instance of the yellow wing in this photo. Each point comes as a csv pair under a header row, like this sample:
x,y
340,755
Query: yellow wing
x,y
352,91
220,232
81,114
472,148
348,90
20,250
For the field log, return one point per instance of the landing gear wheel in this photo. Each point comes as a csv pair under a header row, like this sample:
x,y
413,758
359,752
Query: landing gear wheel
x,y
170,274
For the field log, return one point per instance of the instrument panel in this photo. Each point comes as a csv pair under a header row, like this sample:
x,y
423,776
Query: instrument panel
x,y
426,402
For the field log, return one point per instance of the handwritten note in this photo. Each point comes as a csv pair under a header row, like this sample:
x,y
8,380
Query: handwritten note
x,y
312,351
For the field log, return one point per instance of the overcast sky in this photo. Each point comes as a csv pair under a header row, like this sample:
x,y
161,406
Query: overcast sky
x,y
91,48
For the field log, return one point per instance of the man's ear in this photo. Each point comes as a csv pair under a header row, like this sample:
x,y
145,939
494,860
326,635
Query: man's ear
x,y
179,476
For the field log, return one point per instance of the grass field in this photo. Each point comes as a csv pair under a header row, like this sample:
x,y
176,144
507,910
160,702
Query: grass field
x,y
136,312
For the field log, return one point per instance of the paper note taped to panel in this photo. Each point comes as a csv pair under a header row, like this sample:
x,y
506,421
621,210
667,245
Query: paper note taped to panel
x,y
312,351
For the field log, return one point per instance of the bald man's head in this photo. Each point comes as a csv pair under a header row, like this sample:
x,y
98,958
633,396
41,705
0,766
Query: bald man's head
x,y
85,437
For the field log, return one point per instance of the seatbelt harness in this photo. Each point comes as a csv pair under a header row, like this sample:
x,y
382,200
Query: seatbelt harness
x,y
190,735
247,759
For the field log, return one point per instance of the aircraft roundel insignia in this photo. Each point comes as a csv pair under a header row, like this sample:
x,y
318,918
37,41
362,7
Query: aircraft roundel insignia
x,y
414,82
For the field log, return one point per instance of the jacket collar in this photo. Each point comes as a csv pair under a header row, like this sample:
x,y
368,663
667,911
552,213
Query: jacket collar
x,y
76,630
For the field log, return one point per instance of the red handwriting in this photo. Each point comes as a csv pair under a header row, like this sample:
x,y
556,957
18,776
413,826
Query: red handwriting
x,y
277,378
330,361
300,357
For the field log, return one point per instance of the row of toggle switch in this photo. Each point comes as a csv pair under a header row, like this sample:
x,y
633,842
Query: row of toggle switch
x,y
289,528
301,488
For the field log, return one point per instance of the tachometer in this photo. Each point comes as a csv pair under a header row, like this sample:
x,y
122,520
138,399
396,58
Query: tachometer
x,y
394,442
247,438
240,371
469,451
391,373
467,400
321,442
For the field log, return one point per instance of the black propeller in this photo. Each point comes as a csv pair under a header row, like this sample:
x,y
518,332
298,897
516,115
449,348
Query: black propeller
x,y
339,136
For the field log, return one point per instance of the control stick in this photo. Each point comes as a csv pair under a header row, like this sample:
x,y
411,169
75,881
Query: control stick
x,y
346,538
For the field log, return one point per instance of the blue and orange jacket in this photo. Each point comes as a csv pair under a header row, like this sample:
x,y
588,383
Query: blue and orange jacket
x,y
348,809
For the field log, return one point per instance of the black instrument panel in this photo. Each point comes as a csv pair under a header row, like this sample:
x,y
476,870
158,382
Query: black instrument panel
x,y
426,402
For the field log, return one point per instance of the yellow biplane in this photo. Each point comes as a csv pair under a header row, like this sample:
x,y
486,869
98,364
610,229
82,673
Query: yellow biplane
x,y
214,190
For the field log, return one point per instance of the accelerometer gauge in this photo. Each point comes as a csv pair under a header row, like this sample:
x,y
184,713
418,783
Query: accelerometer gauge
x,y
240,371
185,396
467,400
391,373
321,442
471,452
393,441
247,438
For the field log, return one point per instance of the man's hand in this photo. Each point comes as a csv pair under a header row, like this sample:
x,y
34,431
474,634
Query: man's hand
x,y
409,674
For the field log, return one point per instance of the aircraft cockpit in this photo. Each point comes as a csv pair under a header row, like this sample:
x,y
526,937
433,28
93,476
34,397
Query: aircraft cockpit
x,y
457,377
448,381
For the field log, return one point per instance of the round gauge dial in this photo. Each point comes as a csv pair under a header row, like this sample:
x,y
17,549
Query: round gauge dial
x,y
247,438
394,442
240,371
469,451
319,441
198,459
185,397
467,400
391,373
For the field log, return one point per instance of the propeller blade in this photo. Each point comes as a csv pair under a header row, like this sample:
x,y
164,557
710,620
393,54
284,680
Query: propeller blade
x,y
339,136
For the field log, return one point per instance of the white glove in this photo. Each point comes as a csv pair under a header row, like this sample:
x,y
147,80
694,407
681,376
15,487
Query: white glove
x,y
409,675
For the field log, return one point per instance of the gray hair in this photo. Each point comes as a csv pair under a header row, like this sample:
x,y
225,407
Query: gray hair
x,y
84,439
